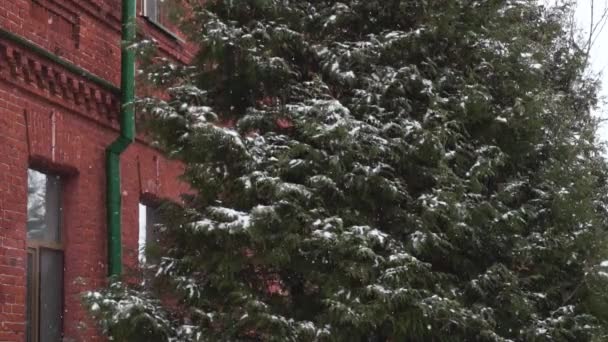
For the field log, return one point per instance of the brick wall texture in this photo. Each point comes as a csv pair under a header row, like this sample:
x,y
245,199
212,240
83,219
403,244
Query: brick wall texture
x,y
58,121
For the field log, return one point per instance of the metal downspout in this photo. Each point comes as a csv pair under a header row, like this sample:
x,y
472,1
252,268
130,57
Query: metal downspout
x,y
127,135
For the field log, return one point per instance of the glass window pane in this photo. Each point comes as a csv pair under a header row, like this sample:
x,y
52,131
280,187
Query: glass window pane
x,y
151,220
51,295
147,236
151,7
43,207
143,224
164,11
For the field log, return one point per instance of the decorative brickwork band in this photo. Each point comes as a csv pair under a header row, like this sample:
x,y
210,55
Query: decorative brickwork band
x,y
28,70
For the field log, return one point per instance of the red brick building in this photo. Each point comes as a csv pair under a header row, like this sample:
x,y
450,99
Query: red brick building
x,y
59,101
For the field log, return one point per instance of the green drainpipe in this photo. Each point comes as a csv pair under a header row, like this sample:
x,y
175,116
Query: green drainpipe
x,y
127,135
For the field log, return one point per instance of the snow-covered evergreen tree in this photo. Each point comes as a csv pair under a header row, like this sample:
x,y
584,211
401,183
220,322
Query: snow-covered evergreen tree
x,y
376,170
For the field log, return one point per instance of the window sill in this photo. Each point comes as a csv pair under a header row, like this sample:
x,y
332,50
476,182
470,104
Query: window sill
x,y
164,29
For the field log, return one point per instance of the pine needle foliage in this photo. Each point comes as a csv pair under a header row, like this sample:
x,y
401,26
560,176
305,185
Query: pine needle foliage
x,y
375,170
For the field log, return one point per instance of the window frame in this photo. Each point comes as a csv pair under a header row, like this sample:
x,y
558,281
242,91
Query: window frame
x,y
34,248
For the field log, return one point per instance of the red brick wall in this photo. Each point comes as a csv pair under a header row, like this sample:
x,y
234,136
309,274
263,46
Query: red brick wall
x,y
86,33
57,121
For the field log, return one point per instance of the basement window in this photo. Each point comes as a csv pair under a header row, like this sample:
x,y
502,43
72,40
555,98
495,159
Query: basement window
x,y
44,258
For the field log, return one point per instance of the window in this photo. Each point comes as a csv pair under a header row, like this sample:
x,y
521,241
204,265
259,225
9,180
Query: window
x,y
157,11
147,220
44,258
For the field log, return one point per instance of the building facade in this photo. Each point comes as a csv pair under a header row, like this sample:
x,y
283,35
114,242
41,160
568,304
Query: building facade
x,y
59,101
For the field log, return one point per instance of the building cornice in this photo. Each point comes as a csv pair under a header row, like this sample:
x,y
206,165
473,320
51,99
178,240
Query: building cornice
x,y
28,66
